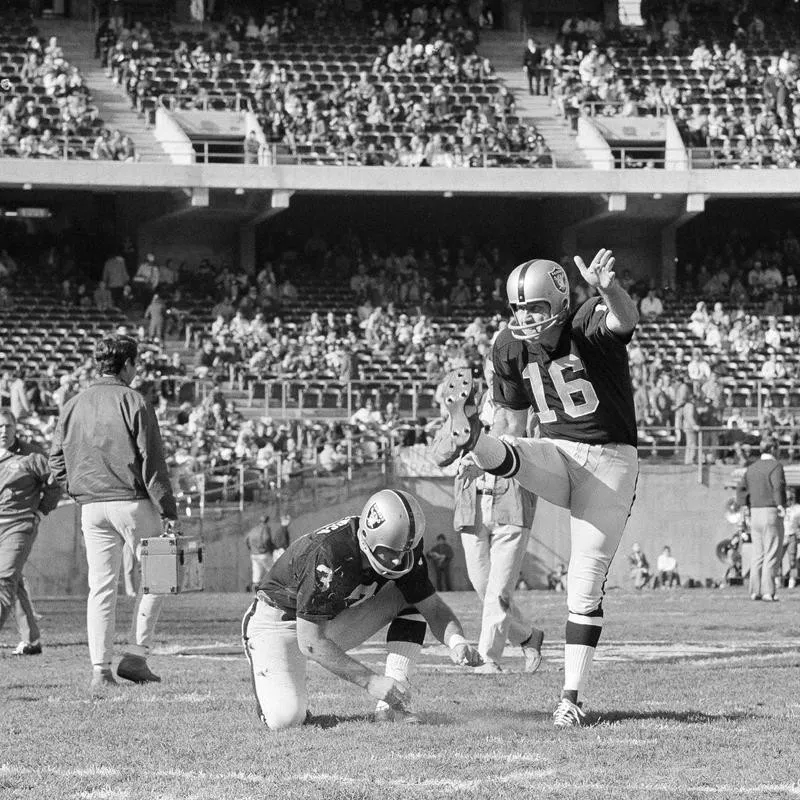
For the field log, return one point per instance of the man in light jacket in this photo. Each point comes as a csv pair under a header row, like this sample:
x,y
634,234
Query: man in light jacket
x,y
108,456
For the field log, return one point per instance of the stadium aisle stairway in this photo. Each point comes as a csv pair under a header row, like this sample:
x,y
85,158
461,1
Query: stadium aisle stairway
x,y
77,41
505,51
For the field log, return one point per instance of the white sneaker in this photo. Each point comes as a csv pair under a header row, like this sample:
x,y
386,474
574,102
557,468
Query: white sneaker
x,y
488,668
568,714
533,651
28,649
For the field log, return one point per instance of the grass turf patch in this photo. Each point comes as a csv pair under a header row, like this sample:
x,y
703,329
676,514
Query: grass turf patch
x,y
693,694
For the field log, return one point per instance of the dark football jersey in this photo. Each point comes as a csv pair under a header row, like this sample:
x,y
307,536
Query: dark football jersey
x,y
321,574
582,390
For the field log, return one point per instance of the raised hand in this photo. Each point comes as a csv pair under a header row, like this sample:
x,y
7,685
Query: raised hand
x,y
600,273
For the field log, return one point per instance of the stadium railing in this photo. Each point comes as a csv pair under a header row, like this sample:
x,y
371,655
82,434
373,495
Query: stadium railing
x,y
712,445
600,108
241,482
222,150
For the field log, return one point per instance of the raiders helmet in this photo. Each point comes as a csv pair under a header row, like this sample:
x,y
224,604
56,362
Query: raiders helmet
x,y
390,527
537,281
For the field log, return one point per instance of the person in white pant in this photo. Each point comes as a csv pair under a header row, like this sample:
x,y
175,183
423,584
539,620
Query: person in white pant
x,y
108,456
330,591
494,517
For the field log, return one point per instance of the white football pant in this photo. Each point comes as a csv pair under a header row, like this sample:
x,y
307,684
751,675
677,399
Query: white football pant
x,y
278,667
597,483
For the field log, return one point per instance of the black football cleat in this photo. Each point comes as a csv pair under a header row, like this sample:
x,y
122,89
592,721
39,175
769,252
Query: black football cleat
x,y
461,428
134,668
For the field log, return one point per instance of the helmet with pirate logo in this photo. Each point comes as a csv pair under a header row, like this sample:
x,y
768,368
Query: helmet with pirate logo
x,y
390,527
538,293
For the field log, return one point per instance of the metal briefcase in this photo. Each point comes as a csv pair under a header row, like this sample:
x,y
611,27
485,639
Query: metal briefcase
x,y
171,564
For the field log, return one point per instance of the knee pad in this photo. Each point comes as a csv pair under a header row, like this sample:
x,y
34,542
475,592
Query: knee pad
x,y
408,626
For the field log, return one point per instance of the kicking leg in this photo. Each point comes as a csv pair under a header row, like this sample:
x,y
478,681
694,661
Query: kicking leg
x,y
604,485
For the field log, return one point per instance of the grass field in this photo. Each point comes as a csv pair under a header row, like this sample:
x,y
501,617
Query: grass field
x,y
695,693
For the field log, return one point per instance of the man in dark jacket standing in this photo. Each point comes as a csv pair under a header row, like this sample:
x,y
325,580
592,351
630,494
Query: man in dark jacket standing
x,y
26,494
107,454
763,489
532,66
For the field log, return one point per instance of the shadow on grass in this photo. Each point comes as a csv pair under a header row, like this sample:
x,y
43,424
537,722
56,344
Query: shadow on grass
x,y
26,687
687,717
327,721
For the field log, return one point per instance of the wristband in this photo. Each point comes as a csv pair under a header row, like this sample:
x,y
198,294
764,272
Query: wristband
x,y
455,640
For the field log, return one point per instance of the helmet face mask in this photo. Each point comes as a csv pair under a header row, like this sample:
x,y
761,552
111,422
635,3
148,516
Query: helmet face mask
x,y
538,294
393,560
390,527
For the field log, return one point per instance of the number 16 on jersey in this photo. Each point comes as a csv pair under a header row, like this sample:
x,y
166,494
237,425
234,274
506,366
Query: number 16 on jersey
x,y
576,396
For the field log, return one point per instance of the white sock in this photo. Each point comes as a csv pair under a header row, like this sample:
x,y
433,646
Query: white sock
x,y
400,662
577,660
583,632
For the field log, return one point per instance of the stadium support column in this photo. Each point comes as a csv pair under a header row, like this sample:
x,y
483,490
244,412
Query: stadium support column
x,y
606,207
695,204
279,200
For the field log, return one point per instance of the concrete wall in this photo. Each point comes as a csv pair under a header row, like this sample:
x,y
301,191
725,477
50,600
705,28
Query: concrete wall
x,y
147,176
672,507
191,237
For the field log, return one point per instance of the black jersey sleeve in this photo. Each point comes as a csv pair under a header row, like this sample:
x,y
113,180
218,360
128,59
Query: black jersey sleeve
x,y
509,386
320,590
591,320
416,585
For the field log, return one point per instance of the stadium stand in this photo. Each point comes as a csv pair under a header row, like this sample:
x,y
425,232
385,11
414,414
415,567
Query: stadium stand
x,y
47,110
387,89
353,350
729,82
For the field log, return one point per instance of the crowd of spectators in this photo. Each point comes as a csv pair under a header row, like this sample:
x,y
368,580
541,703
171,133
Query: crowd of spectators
x,y
47,110
402,316
737,345
256,333
406,104
731,86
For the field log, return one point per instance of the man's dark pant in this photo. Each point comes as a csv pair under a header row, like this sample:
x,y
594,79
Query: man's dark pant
x,y
442,579
16,543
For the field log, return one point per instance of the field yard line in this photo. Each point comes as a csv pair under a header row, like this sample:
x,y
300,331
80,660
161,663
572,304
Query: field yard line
x,y
472,757
429,783
786,790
